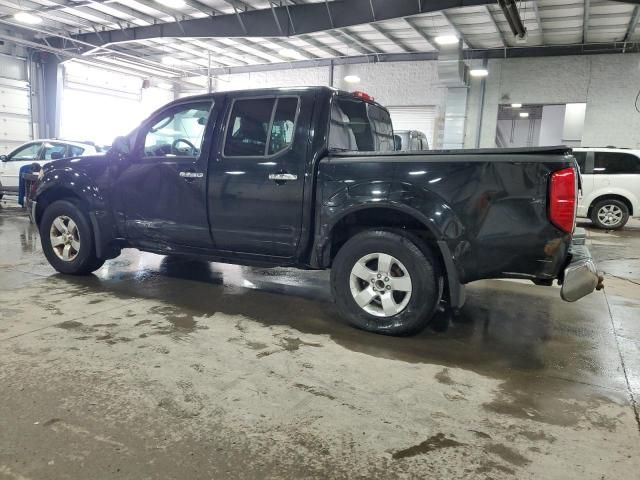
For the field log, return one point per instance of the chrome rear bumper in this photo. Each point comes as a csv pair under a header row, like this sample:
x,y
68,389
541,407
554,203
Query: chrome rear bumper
x,y
581,276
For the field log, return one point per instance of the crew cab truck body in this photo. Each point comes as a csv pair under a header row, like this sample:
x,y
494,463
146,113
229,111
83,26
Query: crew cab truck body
x,y
308,178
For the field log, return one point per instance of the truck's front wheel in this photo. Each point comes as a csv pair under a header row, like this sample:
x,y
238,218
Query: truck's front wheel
x,y
384,283
67,239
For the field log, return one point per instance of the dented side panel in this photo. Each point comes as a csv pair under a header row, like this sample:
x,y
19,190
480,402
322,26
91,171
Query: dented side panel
x,y
490,210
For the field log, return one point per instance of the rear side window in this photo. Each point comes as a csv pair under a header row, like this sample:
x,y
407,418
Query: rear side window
x,y
615,163
581,158
359,126
260,127
54,151
75,151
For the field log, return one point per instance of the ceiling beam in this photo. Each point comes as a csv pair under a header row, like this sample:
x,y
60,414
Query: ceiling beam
x,y
320,46
456,29
508,52
585,20
422,33
536,11
352,41
495,24
292,19
388,36
633,23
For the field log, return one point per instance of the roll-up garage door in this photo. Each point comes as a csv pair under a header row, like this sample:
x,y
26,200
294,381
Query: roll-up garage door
x,y
15,114
421,118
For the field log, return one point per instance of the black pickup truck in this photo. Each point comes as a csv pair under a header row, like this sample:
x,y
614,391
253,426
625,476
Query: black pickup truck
x,y
308,178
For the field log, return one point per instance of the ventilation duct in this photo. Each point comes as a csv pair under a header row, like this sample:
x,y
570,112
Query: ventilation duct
x,y
453,74
452,71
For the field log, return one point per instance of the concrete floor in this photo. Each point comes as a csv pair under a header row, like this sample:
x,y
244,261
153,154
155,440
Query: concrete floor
x,y
153,368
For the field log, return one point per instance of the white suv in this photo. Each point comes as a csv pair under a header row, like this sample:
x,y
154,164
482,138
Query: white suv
x,y
40,152
610,185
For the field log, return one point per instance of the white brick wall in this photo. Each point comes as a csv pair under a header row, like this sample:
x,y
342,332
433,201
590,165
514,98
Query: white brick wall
x,y
607,83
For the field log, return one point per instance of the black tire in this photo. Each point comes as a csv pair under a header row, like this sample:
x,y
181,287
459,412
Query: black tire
x,y
85,260
420,265
615,205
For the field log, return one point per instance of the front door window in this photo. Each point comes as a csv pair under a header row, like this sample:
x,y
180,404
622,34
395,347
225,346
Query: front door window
x,y
26,153
178,133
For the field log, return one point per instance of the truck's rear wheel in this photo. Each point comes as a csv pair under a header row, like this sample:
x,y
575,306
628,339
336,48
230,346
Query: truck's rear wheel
x,y
384,283
610,214
67,239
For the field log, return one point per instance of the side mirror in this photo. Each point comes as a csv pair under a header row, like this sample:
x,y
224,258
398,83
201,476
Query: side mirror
x,y
120,147
3,158
397,142
56,155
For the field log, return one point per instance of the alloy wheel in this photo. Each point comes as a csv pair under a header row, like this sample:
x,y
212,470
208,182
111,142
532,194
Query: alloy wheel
x,y
380,284
610,215
65,238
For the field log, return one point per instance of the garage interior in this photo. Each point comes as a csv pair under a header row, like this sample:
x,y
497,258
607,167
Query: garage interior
x,y
159,367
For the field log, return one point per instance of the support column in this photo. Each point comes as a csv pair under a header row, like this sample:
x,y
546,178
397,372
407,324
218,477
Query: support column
x,y
452,73
52,90
454,118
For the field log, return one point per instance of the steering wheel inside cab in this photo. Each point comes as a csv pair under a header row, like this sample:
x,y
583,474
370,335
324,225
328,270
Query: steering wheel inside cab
x,y
180,147
183,148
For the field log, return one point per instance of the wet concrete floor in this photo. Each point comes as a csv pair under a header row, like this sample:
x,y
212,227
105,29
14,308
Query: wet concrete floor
x,y
155,368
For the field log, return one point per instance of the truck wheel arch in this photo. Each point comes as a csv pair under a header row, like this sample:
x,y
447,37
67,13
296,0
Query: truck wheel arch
x,y
400,220
51,195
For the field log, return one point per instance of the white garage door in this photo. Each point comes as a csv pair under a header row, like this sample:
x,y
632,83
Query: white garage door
x,y
421,118
15,114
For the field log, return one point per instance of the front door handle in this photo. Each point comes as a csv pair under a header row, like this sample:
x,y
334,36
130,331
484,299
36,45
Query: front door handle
x,y
282,177
190,176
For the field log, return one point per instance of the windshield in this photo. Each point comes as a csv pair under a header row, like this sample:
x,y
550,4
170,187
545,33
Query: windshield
x,y
359,126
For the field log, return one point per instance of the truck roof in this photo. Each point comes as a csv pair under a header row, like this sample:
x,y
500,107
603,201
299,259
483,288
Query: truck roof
x,y
277,91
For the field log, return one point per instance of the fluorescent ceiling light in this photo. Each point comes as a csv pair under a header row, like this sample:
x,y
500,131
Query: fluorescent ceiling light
x,y
173,3
352,79
165,85
172,61
479,72
446,39
26,17
516,105
524,114
289,53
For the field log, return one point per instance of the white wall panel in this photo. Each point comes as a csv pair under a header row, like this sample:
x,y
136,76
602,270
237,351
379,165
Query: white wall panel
x,y
421,118
15,109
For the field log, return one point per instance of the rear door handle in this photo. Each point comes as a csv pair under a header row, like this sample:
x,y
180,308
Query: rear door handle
x,y
282,177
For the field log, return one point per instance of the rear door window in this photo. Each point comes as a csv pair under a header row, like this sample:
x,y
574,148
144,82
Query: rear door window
x,y
615,163
359,126
260,127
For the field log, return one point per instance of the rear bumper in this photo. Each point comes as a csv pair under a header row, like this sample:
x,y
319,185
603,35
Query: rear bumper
x,y
580,276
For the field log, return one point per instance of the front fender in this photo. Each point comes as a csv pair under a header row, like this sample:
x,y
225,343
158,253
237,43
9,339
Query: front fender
x,y
68,183
77,184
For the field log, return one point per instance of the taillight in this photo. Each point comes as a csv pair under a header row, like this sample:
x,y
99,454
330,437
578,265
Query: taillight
x,y
563,192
